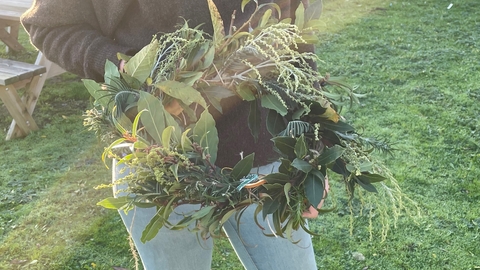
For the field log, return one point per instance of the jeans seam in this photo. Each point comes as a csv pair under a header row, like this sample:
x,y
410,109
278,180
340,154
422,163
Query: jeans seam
x,y
239,247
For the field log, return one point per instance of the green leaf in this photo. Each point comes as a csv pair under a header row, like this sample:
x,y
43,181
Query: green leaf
x,y
365,183
215,94
244,3
243,167
297,114
339,126
203,212
371,177
313,11
329,155
115,203
140,65
301,147
254,119
302,165
96,91
244,90
266,16
273,178
196,54
275,123
286,190
111,72
366,167
190,78
185,142
284,166
286,146
269,207
209,57
154,119
272,102
300,16
155,224
132,82
182,91
167,136
205,133
217,22
314,187
174,169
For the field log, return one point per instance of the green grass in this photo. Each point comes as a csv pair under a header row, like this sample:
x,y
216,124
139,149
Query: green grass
x,y
419,64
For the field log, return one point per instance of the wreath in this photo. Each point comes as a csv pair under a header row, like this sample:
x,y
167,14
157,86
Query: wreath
x,y
160,107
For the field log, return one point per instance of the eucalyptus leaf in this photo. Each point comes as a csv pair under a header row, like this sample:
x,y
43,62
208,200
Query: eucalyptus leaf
x,y
205,133
243,167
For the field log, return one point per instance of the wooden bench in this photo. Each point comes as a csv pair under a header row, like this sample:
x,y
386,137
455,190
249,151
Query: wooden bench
x,y
10,12
14,76
17,75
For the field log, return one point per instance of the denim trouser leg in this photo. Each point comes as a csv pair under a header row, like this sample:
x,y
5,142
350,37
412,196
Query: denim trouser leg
x,y
172,250
169,250
257,251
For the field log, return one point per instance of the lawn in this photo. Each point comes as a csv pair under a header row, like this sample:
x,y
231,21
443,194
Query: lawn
x,y
418,62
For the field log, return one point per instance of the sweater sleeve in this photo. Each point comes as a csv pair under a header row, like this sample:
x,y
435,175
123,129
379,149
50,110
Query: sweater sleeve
x,y
67,32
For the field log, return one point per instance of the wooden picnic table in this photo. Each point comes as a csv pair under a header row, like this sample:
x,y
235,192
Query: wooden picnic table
x,y
10,12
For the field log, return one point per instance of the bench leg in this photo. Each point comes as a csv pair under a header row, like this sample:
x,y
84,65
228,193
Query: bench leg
x,y
9,35
21,109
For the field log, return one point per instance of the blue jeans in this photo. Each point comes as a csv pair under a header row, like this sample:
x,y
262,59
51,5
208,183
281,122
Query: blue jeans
x,y
171,250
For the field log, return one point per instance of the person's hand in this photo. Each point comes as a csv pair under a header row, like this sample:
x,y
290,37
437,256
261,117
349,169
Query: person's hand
x,y
312,212
121,65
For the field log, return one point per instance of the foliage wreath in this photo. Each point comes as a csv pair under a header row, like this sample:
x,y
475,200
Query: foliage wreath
x,y
164,97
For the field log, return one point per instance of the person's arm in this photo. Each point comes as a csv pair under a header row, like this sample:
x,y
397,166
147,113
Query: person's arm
x,y
68,33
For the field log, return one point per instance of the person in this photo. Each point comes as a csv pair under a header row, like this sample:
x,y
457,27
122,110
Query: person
x,y
80,35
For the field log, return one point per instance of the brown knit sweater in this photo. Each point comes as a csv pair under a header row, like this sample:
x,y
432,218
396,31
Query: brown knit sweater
x,y
80,35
